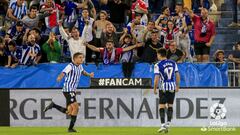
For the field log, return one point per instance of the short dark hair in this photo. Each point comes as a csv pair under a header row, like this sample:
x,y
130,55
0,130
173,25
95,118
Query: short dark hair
x,y
75,55
33,7
12,43
84,9
74,28
19,23
162,52
37,30
154,31
163,9
110,41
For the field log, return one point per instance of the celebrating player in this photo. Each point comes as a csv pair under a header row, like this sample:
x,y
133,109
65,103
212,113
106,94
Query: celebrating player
x,y
165,72
72,72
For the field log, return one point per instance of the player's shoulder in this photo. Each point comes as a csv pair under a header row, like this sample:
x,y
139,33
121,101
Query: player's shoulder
x,y
172,61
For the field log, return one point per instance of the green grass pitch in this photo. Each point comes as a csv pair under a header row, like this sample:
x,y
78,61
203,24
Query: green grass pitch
x,y
109,131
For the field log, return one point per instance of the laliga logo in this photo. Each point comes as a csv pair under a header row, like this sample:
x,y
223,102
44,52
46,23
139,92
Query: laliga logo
x,y
218,111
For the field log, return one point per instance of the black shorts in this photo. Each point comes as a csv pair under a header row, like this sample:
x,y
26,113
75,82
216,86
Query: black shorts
x,y
201,49
70,97
166,97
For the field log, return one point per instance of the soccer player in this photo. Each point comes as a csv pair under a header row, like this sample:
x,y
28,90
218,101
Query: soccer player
x,y
167,79
72,73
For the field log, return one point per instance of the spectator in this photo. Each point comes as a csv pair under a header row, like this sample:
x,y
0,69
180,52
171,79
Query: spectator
x,y
31,51
117,11
235,5
16,11
140,7
170,34
66,53
148,31
33,18
14,55
89,6
3,54
127,59
150,48
74,41
175,54
16,33
100,25
219,58
109,34
3,11
125,41
161,22
136,28
85,25
52,48
137,31
70,13
36,33
204,34
55,11
110,54
184,24
235,56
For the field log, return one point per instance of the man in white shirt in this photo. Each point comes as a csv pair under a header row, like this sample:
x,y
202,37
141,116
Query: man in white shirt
x,y
75,42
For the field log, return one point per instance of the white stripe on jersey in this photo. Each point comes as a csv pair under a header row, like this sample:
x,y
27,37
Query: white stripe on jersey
x,y
73,74
18,12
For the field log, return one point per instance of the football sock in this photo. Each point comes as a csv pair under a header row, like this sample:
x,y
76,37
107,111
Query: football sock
x,y
169,114
72,122
162,115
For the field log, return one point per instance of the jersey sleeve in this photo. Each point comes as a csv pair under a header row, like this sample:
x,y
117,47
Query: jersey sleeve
x,y
156,69
176,68
67,69
82,69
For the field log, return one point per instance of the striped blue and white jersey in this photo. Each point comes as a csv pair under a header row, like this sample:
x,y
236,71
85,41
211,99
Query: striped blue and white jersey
x,y
27,50
166,69
18,11
72,77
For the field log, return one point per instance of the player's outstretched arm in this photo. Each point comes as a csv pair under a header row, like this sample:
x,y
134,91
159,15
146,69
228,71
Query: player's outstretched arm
x,y
177,81
156,81
60,76
88,74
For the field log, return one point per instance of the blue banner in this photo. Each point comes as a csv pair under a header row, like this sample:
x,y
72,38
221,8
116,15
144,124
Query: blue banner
x,y
44,75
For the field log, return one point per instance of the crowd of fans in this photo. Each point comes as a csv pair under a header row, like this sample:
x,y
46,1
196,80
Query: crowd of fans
x,y
108,31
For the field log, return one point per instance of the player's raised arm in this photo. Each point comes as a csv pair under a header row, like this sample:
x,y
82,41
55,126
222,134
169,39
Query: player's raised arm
x,y
88,74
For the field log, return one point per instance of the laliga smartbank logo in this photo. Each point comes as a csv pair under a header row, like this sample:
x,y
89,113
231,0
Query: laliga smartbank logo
x,y
217,122
218,111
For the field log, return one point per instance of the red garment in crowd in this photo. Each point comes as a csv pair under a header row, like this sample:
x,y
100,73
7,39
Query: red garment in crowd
x,y
141,4
52,20
210,29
